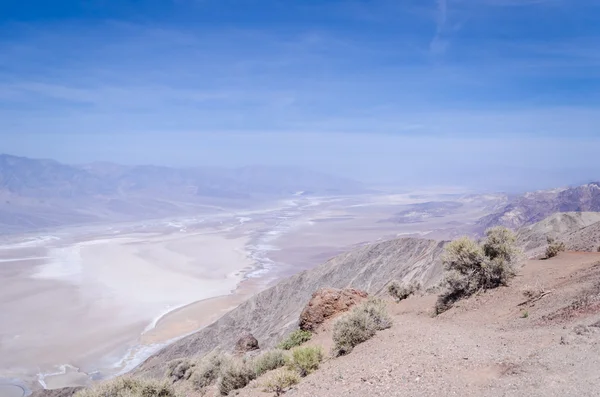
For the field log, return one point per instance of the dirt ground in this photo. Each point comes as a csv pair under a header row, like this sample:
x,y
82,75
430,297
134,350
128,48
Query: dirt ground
x,y
538,337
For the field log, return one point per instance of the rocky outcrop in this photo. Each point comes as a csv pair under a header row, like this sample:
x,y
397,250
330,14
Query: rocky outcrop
x,y
246,343
274,312
327,303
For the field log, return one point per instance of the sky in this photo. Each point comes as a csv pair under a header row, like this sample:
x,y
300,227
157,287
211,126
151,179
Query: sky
x,y
497,94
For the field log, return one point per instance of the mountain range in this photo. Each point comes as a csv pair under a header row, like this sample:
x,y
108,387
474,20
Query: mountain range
x,y
36,193
534,206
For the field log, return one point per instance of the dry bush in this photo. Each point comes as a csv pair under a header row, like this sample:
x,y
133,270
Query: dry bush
x,y
269,361
554,247
281,380
180,369
296,338
533,291
359,326
235,374
207,371
129,387
306,360
402,291
471,266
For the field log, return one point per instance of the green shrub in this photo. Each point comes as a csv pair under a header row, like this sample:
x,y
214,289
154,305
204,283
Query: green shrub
x,y
207,371
269,361
359,325
402,291
235,374
296,338
281,380
306,360
554,247
129,387
471,267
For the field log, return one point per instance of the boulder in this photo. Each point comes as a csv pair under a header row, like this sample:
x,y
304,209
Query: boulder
x,y
246,343
327,303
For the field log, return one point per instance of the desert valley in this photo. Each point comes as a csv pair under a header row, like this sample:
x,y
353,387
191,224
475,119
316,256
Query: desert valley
x,y
90,300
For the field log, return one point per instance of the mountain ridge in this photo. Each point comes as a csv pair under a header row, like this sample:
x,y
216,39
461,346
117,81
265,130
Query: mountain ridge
x,y
535,206
40,193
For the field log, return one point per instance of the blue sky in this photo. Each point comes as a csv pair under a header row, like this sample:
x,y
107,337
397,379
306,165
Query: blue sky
x,y
434,92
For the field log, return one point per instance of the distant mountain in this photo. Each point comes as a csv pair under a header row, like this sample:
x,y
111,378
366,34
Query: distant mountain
x,y
44,193
535,206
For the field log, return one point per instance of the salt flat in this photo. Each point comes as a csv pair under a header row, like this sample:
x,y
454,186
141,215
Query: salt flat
x,y
89,302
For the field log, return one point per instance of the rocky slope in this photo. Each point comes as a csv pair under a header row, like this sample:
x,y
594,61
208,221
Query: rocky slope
x,y
275,311
497,343
586,239
535,206
562,226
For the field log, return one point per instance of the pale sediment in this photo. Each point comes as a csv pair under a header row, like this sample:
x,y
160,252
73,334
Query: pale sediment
x,y
88,304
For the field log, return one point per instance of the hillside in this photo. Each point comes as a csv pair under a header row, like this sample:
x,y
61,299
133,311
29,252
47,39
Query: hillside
x,y
533,238
275,311
586,239
37,193
534,206
497,343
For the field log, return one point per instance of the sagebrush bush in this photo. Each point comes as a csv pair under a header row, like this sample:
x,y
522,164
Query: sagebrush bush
x,y
180,369
402,291
207,371
269,361
235,374
296,338
359,325
280,380
129,387
306,360
471,266
554,247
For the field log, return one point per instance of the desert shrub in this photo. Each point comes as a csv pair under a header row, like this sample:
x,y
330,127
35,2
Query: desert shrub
x,y
359,326
180,369
207,371
471,266
377,311
235,374
129,387
281,380
306,359
296,338
402,291
500,243
554,247
269,361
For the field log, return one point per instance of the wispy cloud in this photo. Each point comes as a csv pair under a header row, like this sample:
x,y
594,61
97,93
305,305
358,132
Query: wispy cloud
x,y
439,44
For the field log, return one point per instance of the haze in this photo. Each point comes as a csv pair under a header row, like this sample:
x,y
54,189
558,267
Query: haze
x,y
492,94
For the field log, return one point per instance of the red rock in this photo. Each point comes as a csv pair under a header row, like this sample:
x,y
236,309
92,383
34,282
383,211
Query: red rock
x,y
327,303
